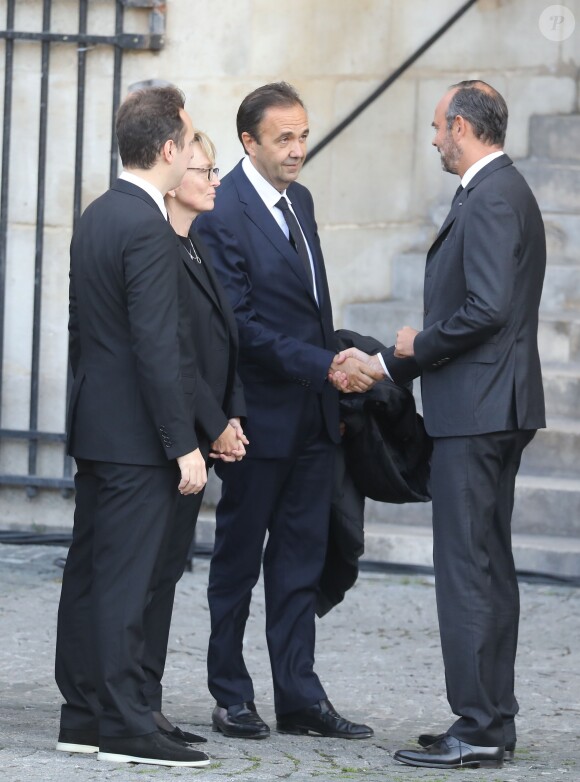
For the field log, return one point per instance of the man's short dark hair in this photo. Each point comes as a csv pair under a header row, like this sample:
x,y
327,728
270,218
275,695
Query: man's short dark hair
x,y
483,107
255,105
147,119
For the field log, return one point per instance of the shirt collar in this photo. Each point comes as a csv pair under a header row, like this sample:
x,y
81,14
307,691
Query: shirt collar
x,y
267,192
477,166
150,189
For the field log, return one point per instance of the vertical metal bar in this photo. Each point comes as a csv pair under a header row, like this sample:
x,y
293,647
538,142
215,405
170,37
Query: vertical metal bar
x,y
6,131
80,128
40,203
116,92
78,175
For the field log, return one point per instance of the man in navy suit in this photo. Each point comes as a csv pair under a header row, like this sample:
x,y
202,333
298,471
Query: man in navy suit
x,y
483,400
266,250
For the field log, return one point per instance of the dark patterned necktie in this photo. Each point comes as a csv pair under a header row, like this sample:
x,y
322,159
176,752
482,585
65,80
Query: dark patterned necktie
x,y
457,194
296,237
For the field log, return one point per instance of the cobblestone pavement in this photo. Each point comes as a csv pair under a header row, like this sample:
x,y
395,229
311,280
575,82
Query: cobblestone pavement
x,y
377,654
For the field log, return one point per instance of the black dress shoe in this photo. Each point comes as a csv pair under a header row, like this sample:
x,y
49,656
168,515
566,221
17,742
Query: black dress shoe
x,y
450,752
183,736
426,739
83,741
173,732
322,720
152,748
241,721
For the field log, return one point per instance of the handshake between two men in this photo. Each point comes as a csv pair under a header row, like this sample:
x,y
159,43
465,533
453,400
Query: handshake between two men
x,y
353,370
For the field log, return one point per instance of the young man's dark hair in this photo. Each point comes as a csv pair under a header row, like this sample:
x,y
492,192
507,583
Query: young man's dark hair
x,y
145,121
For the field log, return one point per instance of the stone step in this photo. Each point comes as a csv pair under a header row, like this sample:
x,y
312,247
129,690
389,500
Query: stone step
x,y
407,275
554,450
381,319
561,283
545,505
559,335
408,545
555,185
562,388
561,286
562,234
558,332
555,136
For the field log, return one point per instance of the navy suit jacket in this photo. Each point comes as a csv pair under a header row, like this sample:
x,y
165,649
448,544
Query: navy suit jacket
x,y
478,352
287,340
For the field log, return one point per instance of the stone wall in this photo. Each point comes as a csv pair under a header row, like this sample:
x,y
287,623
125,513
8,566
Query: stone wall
x,y
378,188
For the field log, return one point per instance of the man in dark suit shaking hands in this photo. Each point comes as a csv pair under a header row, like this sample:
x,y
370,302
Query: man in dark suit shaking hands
x,y
482,403
266,251
131,432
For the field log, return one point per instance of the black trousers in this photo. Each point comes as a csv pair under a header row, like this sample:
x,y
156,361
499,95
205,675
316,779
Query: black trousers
x,y
122,514
170,568
473,483
290,500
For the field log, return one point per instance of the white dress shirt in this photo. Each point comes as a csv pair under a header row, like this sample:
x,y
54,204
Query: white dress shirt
x,y
150,189
476,167
270,196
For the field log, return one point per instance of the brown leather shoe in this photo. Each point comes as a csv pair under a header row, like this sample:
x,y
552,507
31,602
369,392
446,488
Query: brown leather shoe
x,y
322,720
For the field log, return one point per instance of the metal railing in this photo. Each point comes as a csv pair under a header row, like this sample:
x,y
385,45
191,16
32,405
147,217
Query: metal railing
x,y
396,74
83,41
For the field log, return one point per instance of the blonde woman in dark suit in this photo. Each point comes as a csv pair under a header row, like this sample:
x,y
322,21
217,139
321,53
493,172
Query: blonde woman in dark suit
x,y
219,406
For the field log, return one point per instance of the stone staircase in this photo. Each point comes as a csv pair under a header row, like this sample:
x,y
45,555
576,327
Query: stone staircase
x,y
546,519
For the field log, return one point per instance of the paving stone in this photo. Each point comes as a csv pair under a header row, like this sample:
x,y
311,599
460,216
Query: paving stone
x,y
378,655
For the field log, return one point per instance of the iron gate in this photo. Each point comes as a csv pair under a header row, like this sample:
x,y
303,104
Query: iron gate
x,y
33,198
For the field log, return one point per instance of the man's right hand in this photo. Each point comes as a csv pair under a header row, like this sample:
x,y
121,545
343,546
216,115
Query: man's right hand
x,y
193,472
354,370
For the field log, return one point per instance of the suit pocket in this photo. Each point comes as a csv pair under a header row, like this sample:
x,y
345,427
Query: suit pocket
x,y
483,354
189,384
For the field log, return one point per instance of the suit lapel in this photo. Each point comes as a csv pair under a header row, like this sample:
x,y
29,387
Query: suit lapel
x,y
123,186
196,272
305,220
490,168
259,214
215,290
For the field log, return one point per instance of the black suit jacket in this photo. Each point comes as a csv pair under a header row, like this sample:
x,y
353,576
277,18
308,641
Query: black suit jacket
x,y
286,339
134,391
212,330
478,352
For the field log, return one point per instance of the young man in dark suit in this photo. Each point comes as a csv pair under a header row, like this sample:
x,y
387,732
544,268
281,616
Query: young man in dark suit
x,y
131,432
483,401
264,243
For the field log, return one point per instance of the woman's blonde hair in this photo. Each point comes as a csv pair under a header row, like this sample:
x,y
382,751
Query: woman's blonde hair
x,y
206,144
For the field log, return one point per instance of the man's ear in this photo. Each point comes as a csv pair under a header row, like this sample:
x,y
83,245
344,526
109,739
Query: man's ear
x,y
249,142
168,150
460,127
172,193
